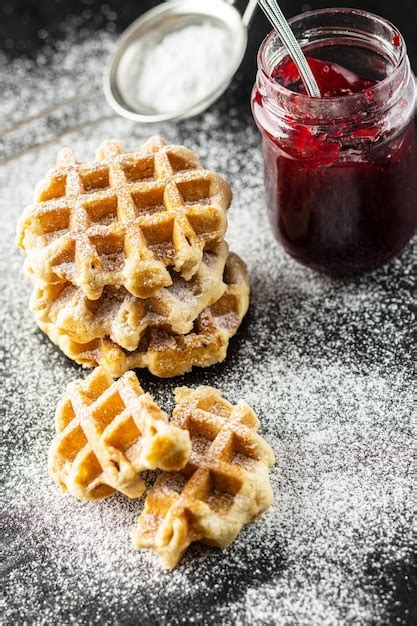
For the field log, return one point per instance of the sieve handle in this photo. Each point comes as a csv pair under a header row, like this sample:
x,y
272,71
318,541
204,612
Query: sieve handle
x,y
248,13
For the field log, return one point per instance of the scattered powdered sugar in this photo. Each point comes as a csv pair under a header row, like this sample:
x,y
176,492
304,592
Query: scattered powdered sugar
x,y
325,363
182,68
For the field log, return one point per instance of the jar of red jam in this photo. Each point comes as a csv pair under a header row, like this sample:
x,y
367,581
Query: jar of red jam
x,y
340,170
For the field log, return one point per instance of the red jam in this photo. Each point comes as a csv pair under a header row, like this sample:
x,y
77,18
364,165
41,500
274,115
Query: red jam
x,y
341,193
334,81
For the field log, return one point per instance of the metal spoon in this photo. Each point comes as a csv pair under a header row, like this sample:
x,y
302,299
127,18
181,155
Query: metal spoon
x,y
150,29
278,21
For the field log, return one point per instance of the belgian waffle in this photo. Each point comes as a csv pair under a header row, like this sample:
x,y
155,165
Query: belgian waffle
x,y
107,433
224,485
166,354
124,219
123,317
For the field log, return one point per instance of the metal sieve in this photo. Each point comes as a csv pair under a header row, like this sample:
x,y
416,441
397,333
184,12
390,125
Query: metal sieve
x,y
150,29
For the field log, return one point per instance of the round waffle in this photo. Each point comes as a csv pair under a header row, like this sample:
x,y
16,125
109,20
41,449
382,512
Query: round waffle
x,y
124,219
224,485
122,317
108,432
168,354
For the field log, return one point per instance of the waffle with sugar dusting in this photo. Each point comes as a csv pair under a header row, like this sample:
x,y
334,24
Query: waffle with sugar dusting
x,y
107,434
224,485
167,354
122,317
124,219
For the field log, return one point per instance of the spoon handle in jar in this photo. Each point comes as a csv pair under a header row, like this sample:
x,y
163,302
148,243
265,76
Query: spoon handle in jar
x,y
278,21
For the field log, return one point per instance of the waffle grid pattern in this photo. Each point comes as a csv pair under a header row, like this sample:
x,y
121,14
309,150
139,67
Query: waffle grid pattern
x,y
122,317
107,434
166,354
224,485
124,219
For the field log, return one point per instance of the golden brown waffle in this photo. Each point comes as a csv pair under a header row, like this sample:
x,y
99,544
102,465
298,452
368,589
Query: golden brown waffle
x,y
224,485
107,433
166,354
123,317
123,219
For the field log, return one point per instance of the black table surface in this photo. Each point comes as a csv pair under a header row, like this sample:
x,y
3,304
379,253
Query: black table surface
x,y
330,359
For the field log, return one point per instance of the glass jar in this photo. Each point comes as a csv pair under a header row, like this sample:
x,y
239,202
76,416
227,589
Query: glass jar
x,y
340,171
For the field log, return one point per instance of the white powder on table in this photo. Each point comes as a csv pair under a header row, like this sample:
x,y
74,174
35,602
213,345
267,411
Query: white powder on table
x,y
183,68
325,363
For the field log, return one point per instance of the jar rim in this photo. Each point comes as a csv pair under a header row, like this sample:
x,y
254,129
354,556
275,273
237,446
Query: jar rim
x,y
346,99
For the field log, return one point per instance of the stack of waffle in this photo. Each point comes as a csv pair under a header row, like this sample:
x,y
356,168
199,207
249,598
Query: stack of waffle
x,y
128,261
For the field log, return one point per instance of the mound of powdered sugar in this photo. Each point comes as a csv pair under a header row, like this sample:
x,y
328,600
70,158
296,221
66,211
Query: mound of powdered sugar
x,y
196,65
325,363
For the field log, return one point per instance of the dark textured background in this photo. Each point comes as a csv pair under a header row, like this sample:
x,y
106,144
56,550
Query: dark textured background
x,y
27,27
